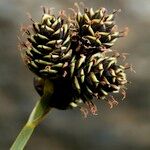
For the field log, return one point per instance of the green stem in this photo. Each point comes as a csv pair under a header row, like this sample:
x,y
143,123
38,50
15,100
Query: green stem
x,y
22,138
37,115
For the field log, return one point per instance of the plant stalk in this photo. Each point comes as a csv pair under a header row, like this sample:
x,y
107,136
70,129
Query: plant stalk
x,y
40,110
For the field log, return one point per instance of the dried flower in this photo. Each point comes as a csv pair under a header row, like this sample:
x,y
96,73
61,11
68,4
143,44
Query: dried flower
x,y
72,52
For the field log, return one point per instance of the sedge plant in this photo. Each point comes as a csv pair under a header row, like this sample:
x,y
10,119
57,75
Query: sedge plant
x,y
73,62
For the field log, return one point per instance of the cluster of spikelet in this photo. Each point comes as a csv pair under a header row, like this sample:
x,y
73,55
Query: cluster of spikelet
x,y
74,52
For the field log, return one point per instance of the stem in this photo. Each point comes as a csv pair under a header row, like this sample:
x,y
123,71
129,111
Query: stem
x,y
22,138
37,115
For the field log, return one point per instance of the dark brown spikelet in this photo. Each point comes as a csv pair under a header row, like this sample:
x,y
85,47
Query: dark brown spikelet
x,y
97,76
94,31
48,50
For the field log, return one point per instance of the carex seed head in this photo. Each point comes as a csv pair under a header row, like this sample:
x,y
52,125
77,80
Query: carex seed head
x,y
94,30
48,49
74,53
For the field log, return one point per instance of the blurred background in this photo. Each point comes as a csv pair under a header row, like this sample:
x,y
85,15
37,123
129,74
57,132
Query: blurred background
x,y
126,127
